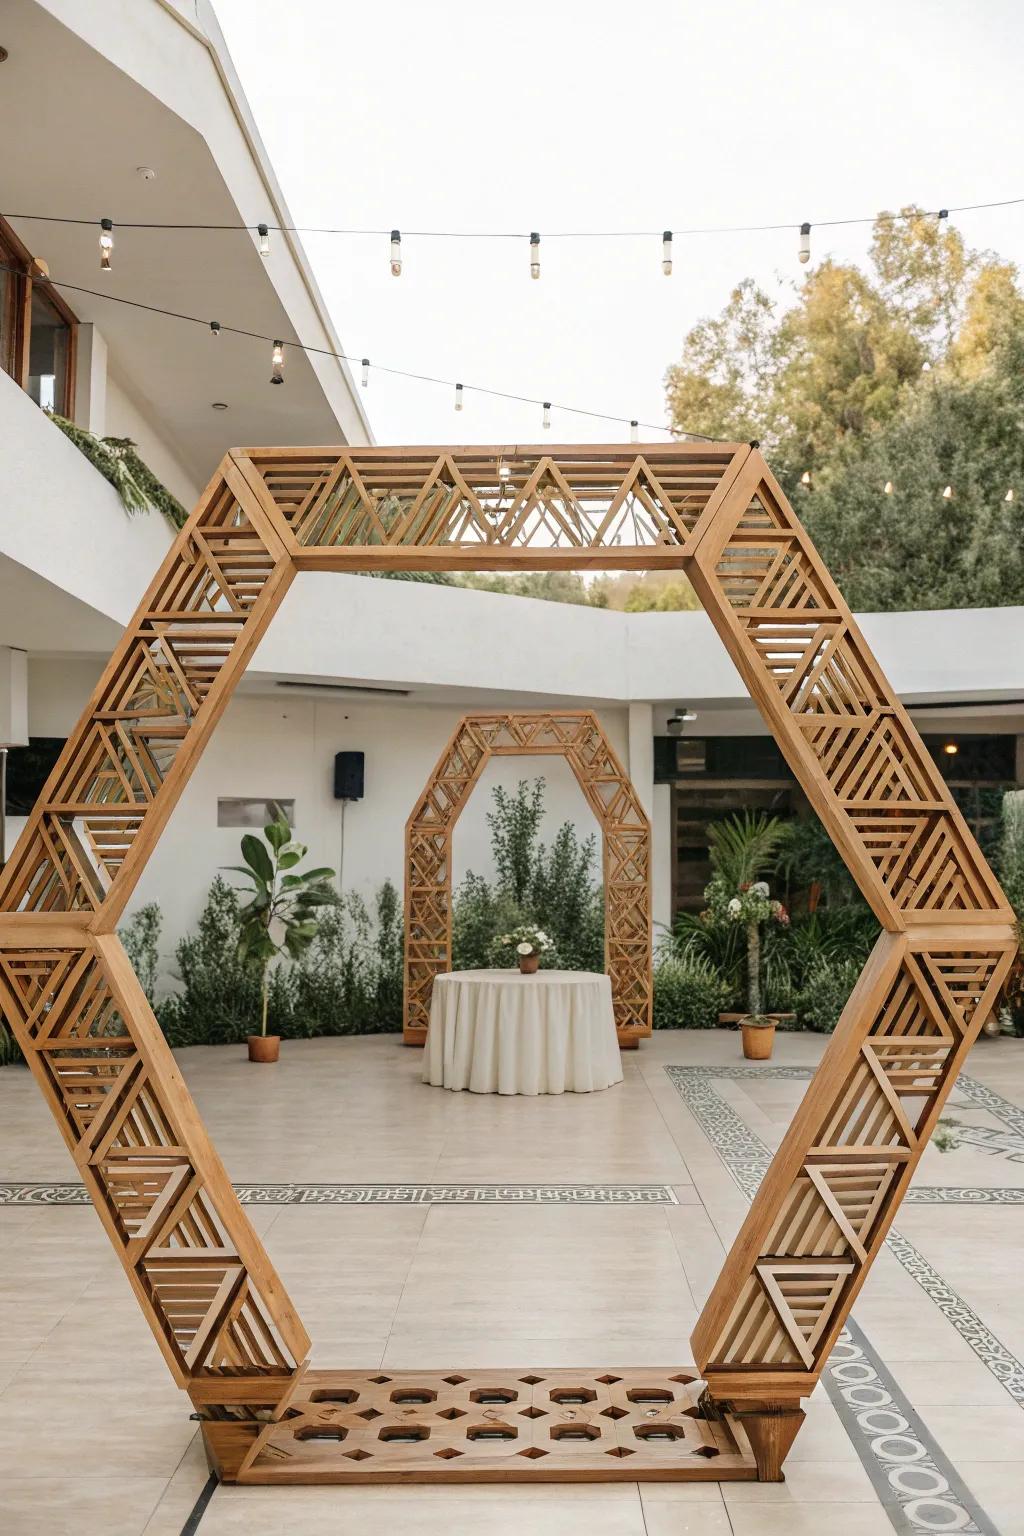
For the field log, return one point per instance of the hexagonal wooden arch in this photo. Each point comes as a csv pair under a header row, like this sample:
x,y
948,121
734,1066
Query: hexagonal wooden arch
x,y
577,736
218,1310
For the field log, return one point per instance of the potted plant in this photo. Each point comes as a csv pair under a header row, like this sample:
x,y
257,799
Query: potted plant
x,y
752,906
280,917
526,943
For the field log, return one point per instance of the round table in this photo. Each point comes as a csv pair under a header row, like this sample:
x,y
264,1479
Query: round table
x,y
502,1032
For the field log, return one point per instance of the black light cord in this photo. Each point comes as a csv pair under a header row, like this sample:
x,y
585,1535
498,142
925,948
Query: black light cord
x,y
346,357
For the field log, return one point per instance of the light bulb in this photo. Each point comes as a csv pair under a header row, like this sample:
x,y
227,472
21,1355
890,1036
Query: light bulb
x,y
277,363
504,473
944,220
535,254
106,243
666,253
926,367
805,243
396,253
887,488
947,494
264,234
458,397
950,748
634,431
1010,495
366,371
546,419
215,327
805,478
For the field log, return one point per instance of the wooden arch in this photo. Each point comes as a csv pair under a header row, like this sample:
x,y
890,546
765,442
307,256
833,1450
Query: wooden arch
x,y
577,736
217,1308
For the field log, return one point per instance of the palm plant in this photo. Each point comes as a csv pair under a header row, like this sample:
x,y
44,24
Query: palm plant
x,y
280,917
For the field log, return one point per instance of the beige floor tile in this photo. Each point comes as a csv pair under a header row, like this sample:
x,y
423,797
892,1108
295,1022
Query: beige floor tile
x,y
674,1518
825,1519
70,1506
808,1482
343,1512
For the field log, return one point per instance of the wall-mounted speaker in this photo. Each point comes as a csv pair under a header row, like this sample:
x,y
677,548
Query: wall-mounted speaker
x,y
348,775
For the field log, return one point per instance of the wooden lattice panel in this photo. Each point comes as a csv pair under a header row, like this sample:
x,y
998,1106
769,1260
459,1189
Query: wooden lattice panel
x,y
488,1426
220,1315
577,736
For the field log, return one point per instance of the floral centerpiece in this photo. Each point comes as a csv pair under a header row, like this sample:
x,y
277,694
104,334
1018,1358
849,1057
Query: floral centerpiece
x,y
525,944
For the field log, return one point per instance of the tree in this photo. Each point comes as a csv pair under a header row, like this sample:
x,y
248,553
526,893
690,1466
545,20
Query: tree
x,y
724,382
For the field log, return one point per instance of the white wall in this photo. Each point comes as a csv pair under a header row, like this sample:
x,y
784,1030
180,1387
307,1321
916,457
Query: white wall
x,y
125,417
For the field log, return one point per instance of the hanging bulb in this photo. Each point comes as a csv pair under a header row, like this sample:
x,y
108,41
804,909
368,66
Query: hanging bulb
x,y
926,367
396,253
947,494
634,431
215,327
944,223
504,473
264,234
106,243
366,372
887,488
805,244
1010,495
666,253
546,418
277,363
805,478
458,397
535,254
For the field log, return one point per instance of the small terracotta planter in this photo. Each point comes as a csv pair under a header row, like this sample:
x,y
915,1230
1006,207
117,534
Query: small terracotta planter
x,y
264,1047
528,964
758,1040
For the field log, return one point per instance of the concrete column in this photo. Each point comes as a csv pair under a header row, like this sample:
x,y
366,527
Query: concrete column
x,y
91,381
13,697
641,753
662,857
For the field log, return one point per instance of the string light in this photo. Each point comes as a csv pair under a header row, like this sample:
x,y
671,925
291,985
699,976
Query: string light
x,y
805,243
666,253
277,363
1010,495
396,253
634,431
887,488
106,243
215,327
805,478
943,220
535,254
366,372
264,234
947,494
546,418
458,397
504,473
926,366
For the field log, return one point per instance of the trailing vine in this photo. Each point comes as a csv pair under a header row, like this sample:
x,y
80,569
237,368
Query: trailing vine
x,y
118,462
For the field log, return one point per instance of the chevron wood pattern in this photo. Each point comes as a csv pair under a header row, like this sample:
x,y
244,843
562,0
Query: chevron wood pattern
x,y
219,1313
577,736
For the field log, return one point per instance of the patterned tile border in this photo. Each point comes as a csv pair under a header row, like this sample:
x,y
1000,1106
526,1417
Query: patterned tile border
x,y
386,1194
918,1486
952,1194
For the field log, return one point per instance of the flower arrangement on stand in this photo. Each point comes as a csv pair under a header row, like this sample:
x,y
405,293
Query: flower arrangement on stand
x,y
526,944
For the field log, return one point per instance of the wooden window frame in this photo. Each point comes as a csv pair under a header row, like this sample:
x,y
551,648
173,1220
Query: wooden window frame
x,y
14,253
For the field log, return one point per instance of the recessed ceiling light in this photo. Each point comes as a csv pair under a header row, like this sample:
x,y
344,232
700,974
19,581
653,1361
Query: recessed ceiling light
x,y
146,172
3,55
220,405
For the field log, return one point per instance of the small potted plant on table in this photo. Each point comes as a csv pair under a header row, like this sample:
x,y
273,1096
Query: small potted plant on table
x,y
526,944
280,918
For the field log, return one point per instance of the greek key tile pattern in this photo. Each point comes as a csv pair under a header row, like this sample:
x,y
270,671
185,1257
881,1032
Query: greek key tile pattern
x,y
917,1484
386,1194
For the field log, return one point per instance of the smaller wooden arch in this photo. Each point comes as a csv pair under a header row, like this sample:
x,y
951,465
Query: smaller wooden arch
x,y
577,736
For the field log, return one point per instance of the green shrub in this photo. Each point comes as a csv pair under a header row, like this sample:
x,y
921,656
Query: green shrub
x,y
822,998
141,939
10,1050
350,980
689,993
220,997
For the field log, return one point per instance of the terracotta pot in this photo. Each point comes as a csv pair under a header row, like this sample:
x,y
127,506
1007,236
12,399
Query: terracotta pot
x,y
758,1040
264,1047
528,964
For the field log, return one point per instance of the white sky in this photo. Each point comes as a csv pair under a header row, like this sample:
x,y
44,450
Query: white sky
x,y
600,114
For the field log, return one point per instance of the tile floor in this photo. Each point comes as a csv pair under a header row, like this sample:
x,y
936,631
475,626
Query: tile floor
x,y
95,1440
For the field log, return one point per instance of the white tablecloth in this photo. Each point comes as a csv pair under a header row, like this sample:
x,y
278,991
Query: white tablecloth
x,y
501,1032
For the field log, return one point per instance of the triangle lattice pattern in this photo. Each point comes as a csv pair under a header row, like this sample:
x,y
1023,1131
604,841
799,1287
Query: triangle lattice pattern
x,y
576,736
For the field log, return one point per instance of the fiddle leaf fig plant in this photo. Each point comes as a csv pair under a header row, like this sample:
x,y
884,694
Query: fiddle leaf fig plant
x,y
280,918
